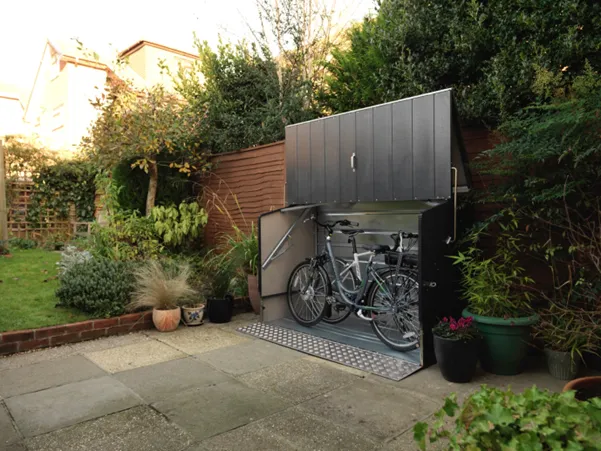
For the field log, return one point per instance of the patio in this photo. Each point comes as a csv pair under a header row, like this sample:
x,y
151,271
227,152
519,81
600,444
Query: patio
x,y
212,388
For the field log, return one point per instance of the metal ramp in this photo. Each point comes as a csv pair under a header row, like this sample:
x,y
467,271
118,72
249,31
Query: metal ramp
x,y
383,365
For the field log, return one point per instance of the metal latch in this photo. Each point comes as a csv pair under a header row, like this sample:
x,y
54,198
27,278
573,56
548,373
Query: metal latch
x,y
354,161
428,284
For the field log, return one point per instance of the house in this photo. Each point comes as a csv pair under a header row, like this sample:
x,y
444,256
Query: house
x,y
11,111
58,109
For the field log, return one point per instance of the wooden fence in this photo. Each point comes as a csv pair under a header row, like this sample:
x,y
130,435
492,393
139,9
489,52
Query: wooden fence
x,y
242,186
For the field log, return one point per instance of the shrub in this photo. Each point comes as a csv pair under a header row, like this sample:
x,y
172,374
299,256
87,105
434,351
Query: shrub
x,y
179,225
71,256
22,243
495,420
128,237
100,287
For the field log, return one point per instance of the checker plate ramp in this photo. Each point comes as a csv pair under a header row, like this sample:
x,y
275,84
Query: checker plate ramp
x,y
372,362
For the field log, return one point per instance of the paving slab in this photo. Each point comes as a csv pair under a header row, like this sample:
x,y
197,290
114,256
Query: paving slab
x,y
310,432
134,356
43,355
59,407
213,409
239,320
246,438
196,340
51,373
247,357
405,442
8,434
378,410
137,429
298,380
163,380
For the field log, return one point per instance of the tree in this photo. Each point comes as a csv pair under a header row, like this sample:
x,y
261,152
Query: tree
x,y
493,53
303,32
237,93
142,126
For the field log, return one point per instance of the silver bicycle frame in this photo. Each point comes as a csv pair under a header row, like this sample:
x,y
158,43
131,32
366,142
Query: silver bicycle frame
x,y
360,293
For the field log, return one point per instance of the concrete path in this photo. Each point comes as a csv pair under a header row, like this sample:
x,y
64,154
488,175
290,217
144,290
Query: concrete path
x,y
211,388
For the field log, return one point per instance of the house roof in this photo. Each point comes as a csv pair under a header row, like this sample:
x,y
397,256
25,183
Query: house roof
x,y
138,45
11,92
71,51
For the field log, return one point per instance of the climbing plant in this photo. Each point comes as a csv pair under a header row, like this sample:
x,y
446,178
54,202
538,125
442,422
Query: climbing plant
x,y
61,185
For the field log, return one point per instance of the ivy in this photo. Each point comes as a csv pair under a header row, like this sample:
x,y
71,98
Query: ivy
x,y
61,185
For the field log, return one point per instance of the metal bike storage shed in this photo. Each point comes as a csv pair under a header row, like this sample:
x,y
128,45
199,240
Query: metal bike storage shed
x,y
395,166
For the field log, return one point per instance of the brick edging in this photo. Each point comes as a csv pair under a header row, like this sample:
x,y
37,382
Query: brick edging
x,y
26,340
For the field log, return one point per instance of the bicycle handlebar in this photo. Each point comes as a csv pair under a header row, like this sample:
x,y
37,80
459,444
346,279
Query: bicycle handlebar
x,y
330,225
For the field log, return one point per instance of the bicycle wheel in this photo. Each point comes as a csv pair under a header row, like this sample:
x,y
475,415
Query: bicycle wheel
x,y
308,289
398,329
337,312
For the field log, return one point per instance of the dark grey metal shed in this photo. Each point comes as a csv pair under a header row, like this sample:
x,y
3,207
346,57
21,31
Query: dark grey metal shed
x,y
397,151
395,166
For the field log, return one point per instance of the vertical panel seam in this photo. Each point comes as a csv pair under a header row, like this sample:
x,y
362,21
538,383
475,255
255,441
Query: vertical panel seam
x,y
434,142
412,150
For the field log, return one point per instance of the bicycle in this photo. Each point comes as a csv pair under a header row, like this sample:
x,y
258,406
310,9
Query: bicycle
x,y
389,295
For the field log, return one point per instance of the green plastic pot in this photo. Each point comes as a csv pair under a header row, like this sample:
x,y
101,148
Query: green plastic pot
x,y
505,342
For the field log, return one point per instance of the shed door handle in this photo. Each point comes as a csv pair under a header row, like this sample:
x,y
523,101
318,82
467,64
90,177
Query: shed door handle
x,y
354,162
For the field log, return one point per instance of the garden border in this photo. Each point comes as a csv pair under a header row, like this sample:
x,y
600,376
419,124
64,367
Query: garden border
x,y
26,340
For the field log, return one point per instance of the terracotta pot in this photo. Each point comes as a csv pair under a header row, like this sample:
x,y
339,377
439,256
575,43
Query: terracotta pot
x,y
166,320
192,316
585,387
253,293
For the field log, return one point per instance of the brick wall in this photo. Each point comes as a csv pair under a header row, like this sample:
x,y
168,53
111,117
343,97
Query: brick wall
x,y
26,340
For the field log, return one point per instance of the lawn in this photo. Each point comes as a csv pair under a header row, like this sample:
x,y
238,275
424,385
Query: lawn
x,y
27,285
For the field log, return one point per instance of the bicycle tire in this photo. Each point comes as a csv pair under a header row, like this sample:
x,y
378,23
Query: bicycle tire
x,y
348,310
320,308
413,325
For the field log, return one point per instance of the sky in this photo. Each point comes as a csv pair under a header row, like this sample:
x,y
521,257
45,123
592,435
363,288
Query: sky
x,y
26,24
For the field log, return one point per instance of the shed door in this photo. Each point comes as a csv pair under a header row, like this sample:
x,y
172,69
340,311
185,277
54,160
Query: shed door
x,y
435,272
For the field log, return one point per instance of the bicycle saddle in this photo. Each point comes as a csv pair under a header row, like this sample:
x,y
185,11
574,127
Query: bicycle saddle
x,y
351,232
377,248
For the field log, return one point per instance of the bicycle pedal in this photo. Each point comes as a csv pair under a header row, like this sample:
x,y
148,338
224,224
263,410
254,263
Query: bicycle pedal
x,y
359,313
330,299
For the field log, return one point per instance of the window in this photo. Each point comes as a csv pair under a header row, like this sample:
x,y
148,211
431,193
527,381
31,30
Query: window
x,y
184,63
57,120
55,66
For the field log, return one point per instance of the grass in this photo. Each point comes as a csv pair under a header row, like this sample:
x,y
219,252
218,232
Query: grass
x,y
27,284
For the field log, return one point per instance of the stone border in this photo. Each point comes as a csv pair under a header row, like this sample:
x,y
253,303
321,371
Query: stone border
x,y
26,340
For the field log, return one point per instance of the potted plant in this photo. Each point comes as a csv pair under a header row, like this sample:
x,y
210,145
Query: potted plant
x,y
193,309
493,419
497,293
164,289
566,331
585,388
242,250
220,274
456,346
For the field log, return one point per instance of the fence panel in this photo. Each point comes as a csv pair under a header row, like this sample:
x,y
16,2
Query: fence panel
x,y
242,186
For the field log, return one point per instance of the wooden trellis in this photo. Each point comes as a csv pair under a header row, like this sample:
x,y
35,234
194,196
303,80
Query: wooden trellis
x,y
20,195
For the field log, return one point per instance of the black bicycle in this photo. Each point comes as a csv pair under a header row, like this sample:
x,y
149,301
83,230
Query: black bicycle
x,y
387,297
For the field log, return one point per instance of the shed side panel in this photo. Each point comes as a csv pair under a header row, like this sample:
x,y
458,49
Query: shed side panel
x,y
332,154
318,163
423,148
402,151
348,178
303,162
365,154
383,152
291,176
442,144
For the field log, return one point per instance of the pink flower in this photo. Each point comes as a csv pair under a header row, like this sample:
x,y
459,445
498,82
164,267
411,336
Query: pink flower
x,y
453,326
445,320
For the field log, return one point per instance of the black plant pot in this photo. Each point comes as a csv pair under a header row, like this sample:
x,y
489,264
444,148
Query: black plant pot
x,y
220,310
456,359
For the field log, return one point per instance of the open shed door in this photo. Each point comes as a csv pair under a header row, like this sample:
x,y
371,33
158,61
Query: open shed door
x,y
437,293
